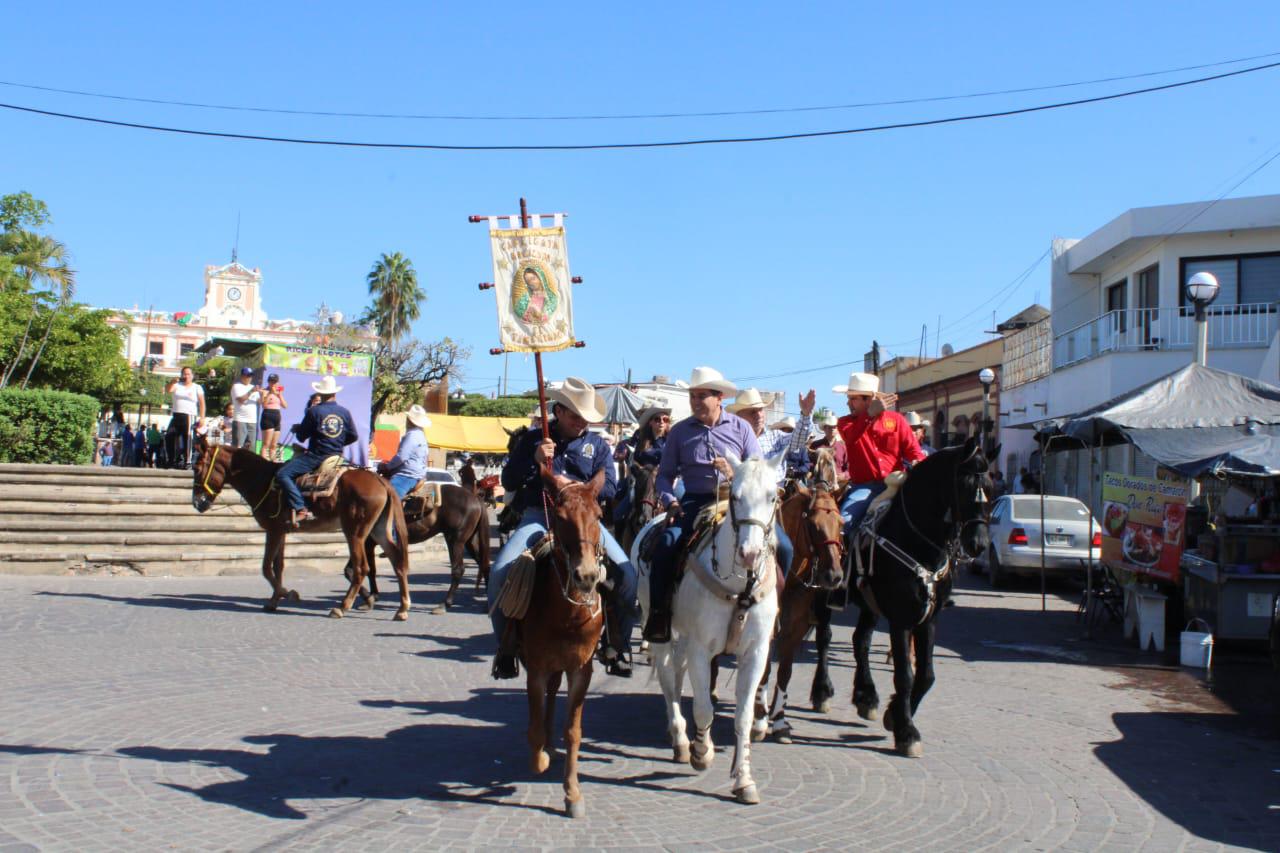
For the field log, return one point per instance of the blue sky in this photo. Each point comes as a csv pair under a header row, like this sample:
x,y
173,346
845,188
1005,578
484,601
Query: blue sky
x,y
756,259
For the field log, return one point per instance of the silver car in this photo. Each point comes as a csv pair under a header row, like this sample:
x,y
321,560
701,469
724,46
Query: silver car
x,y
1015,537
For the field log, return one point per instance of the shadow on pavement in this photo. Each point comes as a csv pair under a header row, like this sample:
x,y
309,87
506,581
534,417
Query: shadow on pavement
x,y
203,601
477,648
1193,771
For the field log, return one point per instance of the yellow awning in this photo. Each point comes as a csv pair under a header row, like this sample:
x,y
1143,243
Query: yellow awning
x,y
455,432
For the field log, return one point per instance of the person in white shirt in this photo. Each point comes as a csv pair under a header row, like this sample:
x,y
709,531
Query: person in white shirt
x,y
244,397
187,406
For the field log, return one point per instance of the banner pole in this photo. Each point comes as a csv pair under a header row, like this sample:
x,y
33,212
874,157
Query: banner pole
x,y
537,355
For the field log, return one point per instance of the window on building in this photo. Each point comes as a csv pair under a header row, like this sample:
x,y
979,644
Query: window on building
x,y
1242,279
1117,300
183,349
155,348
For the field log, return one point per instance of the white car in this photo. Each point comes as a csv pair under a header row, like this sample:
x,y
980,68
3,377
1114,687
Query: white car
x,y
1015,537
441,475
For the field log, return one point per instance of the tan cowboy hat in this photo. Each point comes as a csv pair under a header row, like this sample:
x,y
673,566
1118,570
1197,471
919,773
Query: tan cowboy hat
x,y
418,417
859,383
579,395
914,420
326,386
536,413
747,399
830,420
787,424
650,413
712,380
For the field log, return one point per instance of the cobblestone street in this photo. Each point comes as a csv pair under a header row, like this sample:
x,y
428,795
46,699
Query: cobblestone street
x,y
153,713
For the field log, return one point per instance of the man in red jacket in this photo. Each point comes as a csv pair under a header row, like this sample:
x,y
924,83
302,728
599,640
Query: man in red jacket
x,y
877,443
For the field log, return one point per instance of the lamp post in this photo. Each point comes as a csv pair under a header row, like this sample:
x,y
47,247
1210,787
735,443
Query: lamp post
x,y
986,376
1202,289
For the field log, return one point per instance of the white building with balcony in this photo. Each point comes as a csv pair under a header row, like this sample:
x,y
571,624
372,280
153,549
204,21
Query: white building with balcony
x,y
1120,316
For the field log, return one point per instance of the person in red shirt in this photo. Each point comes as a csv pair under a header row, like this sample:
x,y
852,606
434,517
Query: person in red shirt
x,y
877,443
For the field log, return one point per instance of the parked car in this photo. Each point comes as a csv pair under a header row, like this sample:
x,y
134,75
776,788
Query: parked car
x,y
441,475
1015,537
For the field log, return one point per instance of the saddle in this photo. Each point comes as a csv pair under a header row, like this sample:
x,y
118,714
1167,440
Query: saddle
x,y
321,482
517,590
878,509
422,498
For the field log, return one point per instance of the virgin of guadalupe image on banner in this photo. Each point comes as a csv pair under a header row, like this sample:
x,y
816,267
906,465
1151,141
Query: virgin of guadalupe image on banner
x,y
531,278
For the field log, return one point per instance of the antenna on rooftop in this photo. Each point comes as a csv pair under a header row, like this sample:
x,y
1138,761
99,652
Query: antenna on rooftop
x,y
235,250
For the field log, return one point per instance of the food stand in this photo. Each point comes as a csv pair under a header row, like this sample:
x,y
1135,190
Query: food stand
x,y
1216,428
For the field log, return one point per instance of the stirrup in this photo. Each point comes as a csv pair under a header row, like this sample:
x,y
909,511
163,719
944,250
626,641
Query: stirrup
x,y
505,666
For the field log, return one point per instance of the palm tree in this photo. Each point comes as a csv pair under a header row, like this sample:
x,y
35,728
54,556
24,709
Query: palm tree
x,y
36,258
397,298
66,279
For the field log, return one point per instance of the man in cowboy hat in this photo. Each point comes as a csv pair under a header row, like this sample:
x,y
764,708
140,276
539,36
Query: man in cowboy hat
x,y
830,439
328,427
575,454
409,465
877,442
695,453
750,406
919,427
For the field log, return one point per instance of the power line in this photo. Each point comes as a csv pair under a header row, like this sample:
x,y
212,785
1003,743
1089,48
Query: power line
x,y
628,116
680,143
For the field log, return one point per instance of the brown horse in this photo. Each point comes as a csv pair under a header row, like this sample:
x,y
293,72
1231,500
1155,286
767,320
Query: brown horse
x,y
463,519
363,505
811,518
644,505
560,630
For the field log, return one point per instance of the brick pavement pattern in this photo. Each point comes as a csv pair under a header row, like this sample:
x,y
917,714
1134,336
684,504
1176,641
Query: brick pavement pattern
x,y
172,713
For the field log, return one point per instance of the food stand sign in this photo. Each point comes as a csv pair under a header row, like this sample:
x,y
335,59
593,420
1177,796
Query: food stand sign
x,y
1143,523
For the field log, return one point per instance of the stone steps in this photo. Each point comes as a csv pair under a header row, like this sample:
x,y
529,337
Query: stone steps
x,y
60,519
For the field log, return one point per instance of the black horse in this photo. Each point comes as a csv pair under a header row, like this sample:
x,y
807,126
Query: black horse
x,y
906,576
644,504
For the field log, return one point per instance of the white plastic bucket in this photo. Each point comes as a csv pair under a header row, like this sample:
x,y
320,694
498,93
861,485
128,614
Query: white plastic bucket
x,y
1197,646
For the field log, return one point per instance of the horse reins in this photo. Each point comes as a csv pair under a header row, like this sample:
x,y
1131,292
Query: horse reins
x,y
806,578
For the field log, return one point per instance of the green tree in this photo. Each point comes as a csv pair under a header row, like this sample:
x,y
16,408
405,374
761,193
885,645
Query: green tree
x,y
502,407
36,258
397,298
83,354
21,210
402,374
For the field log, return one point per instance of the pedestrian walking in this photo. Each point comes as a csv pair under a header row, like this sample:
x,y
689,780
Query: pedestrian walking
x,y
187,406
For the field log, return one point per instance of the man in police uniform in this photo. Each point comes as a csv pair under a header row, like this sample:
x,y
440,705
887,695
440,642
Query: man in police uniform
x,y
576,454
328,427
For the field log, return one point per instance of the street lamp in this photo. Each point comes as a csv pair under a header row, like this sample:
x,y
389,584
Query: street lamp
x,y
986,376
1202,289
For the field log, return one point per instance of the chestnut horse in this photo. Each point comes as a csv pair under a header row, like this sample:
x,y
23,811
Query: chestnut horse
x,y
811,518
363,505
560,630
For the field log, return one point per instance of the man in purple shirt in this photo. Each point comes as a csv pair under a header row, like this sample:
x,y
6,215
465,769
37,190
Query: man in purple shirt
x,y
695,452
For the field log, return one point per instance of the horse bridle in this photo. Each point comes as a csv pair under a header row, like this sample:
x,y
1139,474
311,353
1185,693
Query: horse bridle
x,y
809,512
738,524
957,527
593,599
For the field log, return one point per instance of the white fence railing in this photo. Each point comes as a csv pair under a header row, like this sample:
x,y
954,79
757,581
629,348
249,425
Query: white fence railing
x,y
1142,329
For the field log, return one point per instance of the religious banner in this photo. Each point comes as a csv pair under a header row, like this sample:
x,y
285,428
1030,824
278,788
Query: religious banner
x,y
531,278
1144,523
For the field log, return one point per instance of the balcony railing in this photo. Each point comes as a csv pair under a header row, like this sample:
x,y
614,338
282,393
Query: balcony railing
x,y
1149,329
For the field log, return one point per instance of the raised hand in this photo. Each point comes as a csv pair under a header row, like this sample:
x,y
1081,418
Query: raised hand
x,y
806,403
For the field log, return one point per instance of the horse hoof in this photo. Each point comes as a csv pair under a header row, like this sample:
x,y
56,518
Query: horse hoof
x,y
540,762
747,795
575,808
336,613
270,606
909,749
869,712
439,609
402,616
365,604
294,598
823,707
758,734
702,761
782,736
680,754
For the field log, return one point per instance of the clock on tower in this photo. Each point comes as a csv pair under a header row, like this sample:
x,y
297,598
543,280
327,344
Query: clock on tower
x,y
233,294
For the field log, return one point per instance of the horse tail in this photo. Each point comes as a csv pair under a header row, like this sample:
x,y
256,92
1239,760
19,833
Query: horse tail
x,y
395,528
481,535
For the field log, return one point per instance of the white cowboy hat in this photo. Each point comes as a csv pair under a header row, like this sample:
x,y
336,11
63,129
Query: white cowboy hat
x,y
859,383
326,386
579,396
747,399
830,420
712,380
418,417
787,424
650,413
914,420
536,413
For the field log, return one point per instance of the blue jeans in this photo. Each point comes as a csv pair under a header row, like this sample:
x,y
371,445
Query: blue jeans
x,y
403,484
302,463
533,527
785,549
673,539
856,500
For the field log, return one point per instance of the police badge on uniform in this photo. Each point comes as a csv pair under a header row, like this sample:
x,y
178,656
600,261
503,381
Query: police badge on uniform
x,y
588,450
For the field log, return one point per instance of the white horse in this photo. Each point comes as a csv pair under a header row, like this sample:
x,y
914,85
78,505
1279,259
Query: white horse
x,y
726,603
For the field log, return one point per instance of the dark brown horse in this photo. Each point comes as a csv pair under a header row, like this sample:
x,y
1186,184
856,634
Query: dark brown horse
x,y
363,506
560,630
811,518
644,505
464,521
